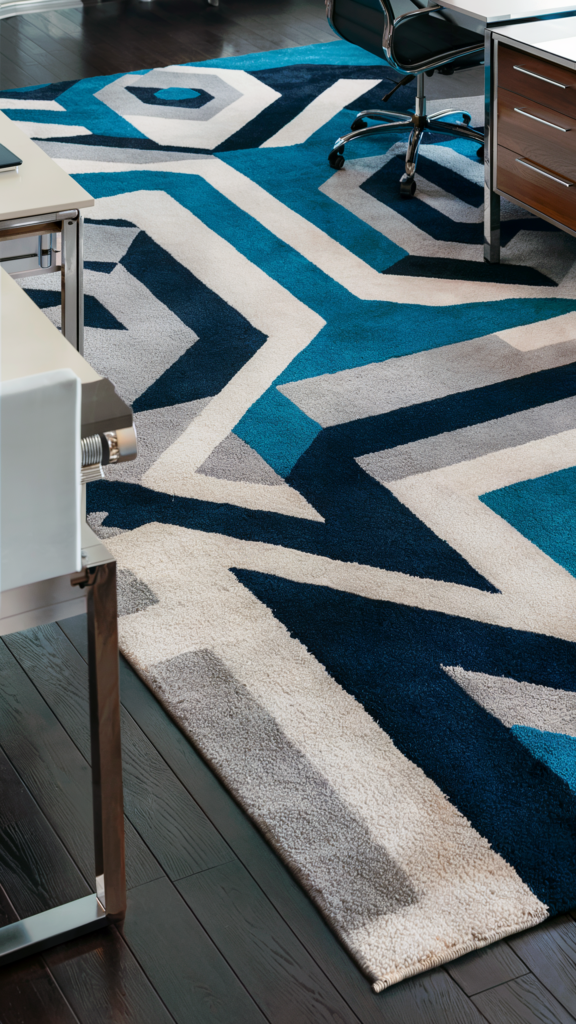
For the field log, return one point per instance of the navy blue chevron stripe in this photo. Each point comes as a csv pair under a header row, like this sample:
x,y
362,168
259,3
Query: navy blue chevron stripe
x,y
226,340
389,658
401,542
463,409
383,186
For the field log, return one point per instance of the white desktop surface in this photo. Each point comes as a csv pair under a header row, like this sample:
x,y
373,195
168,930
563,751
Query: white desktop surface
x,y
39,186
30,342
556,38
492,11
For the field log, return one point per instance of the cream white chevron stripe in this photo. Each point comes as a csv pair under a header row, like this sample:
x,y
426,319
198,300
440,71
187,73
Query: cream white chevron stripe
x,y
13,103
539,594
43,130
321,110
318,247
345,188
543,333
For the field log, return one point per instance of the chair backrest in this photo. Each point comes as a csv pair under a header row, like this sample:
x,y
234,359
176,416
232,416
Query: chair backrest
x,y
40,465
410,36
361,22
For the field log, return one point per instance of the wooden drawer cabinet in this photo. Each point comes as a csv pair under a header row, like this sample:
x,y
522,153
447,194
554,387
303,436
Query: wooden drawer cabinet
x,y
536,134
539,187
535,79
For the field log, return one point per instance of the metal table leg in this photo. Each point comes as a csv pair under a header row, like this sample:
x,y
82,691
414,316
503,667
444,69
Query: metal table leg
x,y
72,281
491,200
70,920
105,739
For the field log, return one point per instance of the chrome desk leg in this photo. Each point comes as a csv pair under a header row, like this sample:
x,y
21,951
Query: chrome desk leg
x,y
50,928
70,920
491,200
72,282
105,739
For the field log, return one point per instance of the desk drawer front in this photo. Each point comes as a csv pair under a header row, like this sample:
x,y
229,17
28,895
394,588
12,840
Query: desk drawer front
x,y
540,186
538,133
538,80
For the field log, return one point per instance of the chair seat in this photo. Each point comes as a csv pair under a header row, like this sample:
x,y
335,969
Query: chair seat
x,y
416,40
425,38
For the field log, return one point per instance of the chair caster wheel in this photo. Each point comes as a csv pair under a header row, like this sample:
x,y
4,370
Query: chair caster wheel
x,y
407,186
466,118
336,161
358,123
480,154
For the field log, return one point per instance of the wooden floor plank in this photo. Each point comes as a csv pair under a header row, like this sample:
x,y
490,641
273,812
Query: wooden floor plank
x,y
169,820
183,964
279,974
30,995
549,951
431,998
28,992
99,978
36,870
96,976
103,982
49,763
523,1001
485,968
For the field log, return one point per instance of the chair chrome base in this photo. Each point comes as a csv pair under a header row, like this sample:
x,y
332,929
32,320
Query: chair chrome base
x,y
416,124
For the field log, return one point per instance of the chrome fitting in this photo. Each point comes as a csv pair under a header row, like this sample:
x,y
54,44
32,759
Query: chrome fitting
x,y
122,445
100,450
91,459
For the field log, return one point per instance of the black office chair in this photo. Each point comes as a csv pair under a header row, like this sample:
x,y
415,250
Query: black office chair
x,y
415,43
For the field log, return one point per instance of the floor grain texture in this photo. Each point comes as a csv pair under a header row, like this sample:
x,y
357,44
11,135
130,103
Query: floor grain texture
x,y
217,930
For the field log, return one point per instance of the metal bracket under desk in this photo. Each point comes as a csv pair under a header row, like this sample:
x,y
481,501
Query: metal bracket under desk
x,y
69,225
93,590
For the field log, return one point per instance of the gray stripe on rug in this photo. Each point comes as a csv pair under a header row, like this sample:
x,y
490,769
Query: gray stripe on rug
x,y
329,846
113,154
233,459
470,442
518,703
378,388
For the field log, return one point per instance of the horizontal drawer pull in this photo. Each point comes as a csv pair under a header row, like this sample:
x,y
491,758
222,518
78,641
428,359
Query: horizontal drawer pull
x,y
532,74
518,110
560,181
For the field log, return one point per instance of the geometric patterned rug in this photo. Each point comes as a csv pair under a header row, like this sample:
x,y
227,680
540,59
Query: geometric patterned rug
x,y
347,546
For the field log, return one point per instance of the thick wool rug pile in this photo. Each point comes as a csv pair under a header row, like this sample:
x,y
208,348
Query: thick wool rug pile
x,y
347,546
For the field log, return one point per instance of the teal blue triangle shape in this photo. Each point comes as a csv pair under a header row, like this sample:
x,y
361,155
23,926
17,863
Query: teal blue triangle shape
x,y
556,750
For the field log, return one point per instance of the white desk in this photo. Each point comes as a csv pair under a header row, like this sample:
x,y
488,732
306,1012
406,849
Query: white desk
x,y
493,12
41,201
30,345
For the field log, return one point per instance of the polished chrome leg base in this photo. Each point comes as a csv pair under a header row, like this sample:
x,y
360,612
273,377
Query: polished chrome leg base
x,y
50,928
416,124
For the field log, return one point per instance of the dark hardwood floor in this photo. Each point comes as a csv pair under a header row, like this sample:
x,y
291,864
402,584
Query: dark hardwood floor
x,y
127,35
217,929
